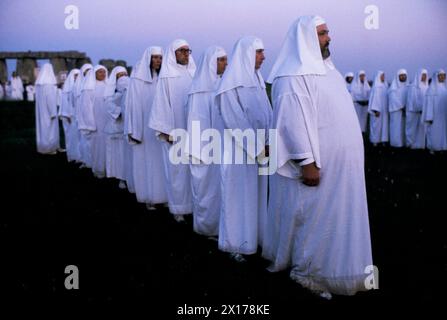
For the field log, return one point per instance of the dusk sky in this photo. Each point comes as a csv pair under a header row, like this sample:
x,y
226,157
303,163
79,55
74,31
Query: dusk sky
x,y
410,34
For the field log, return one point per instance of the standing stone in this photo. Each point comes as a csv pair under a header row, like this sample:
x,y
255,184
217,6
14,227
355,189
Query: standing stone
x,y
25,69
82,61
59,65
3,71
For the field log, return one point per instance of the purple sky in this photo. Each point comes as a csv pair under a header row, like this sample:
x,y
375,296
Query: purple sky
x,y
411,33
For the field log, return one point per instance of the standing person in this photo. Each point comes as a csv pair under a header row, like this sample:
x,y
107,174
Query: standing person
x,y
94,118
169,113
349,76
115,95
378,110
148,169
205,174
435,113
360,90
318,213
397,99
16,87
83,145
30,92
47,123
243,103
414,126
66,111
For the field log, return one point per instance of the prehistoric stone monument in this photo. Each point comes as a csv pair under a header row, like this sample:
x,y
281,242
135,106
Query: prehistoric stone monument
x,y
62,61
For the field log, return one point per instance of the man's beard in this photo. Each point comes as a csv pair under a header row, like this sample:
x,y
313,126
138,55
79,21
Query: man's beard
x,y
325,53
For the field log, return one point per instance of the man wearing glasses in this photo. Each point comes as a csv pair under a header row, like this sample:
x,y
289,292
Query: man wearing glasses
x,y
167,114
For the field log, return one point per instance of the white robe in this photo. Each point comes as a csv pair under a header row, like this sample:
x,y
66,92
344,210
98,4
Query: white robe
x,y
414,126
94,114
16,88
323,231
30,91
205,176
115,136
396,104
379,126
244,191
435,110
66,113
168,113
360,92
148,168
47,123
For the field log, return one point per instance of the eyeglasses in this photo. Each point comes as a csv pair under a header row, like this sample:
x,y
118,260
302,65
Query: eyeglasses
x,y
184,51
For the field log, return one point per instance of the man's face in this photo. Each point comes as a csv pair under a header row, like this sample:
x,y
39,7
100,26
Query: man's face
x,y
156,60
100,74
121,74
182,55
441,77
324,39
382,77
85,72
259,58
424,77
221,65
14,74
349,79
402,77
76,76
362,78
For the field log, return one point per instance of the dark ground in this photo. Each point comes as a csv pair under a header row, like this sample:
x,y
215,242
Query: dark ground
x,y
54,215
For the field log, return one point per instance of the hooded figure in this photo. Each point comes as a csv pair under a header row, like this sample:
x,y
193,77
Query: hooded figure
x,y
378,110
434,112
148,169
169,113
350,76
318,214
397,99
414,126
360,95
16,88
115,95
94,118
242,101
83,145
66,112
205,173
47,123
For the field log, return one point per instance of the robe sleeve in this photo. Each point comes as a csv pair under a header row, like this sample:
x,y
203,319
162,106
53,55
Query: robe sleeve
x,y
51,103
161,118
113,106
133,113
427,110
296,122
234,117
64,110
87,112
375,101
394,102
412,99
198,109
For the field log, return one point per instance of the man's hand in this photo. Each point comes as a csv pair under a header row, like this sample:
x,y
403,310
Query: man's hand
x,y
166,137
377,113
311,175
